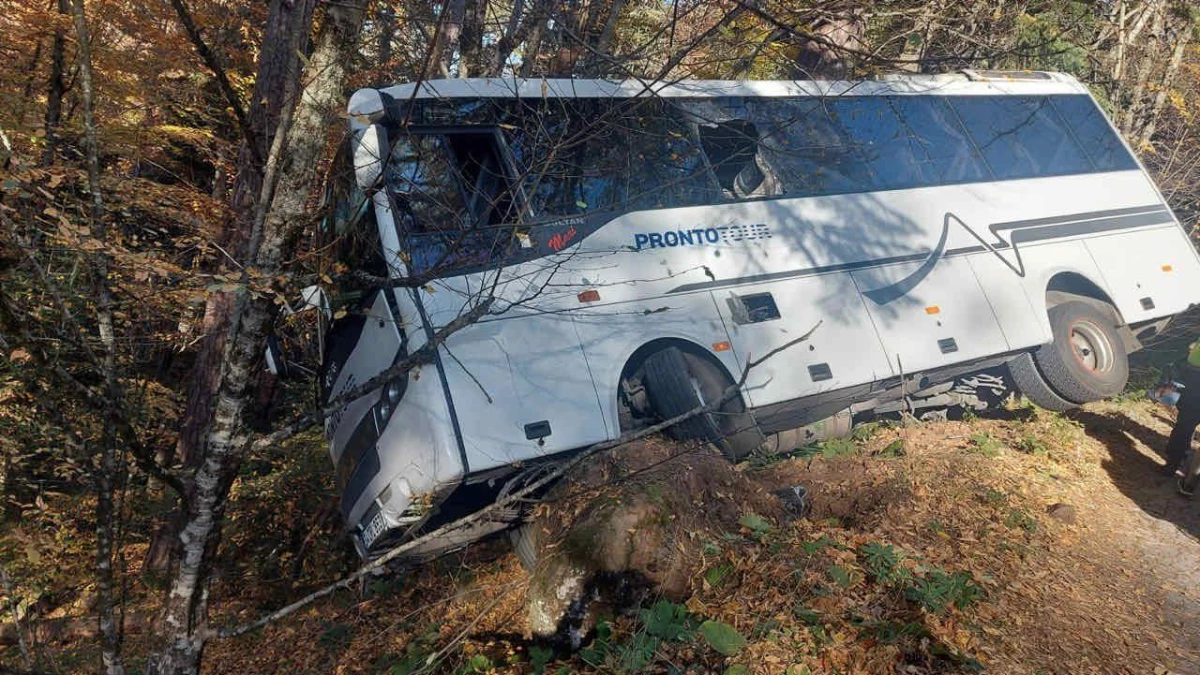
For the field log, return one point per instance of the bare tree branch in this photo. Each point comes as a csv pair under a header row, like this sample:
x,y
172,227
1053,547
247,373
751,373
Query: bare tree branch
x,y
515,498
214,64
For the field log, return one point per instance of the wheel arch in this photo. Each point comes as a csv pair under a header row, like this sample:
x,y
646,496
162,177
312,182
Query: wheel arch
x,y
635,360
1064,286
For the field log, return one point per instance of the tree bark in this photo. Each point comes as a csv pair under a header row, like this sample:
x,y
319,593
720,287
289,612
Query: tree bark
x,y
537,22
470,43
446,40
1136,107
183,628
54,97
386,16
109,465
1149,123
285,39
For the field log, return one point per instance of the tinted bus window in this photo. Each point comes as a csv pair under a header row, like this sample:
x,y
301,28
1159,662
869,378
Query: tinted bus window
x,y
863,143
582,156
807,146
1021,136
940,143
1094,132
883,142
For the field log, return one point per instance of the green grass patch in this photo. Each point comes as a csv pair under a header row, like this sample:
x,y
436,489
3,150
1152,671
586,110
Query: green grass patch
x,y
982,443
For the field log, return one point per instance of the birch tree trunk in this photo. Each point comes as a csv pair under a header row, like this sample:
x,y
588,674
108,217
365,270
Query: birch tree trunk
x,y
109,466
1150,121
284,42
183,628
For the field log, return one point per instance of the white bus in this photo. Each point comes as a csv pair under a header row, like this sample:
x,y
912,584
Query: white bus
x,y
643,242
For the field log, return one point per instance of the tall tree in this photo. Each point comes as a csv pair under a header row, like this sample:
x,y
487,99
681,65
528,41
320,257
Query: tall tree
x,y
54,97
292,181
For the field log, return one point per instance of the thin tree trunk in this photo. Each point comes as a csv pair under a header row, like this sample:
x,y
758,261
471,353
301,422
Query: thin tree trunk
x,y
110,630
54,97
604,40
513,34
30,81
1164,87
387,33
183,628
1118,67
470,42
533,42
1135,112
447,35
285,39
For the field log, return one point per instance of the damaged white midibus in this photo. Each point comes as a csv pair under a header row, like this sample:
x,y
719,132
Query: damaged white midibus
x,y
641,243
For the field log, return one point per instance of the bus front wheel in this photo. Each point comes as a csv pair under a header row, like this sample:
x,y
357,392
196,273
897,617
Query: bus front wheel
x,y
678,382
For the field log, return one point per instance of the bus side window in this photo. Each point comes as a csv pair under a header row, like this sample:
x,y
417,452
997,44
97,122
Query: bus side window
x,y
1094,133
938,141
1021,136
810,149
589,155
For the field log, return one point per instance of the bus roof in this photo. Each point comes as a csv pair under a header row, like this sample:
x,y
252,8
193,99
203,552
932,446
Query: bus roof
x,y
953,84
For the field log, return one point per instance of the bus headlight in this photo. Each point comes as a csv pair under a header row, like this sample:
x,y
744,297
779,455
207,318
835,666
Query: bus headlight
x,y
389,396
393,392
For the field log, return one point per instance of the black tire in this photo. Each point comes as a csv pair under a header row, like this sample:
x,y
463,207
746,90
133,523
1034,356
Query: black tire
x,y
1029,382
524,543
677,382
1087,360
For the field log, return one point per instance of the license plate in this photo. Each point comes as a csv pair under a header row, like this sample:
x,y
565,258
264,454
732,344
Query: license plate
x,y
373,529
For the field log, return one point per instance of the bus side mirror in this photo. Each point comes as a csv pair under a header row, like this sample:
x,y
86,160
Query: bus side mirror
x,y
366,110
311,297
370,151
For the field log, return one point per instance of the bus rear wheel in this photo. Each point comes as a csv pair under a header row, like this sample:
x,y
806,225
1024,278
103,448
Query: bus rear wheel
x,y
1087,360
1032,386
678,382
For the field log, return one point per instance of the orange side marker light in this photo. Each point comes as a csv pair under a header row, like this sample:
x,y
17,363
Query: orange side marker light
x,y
1167,268
722,346
933,309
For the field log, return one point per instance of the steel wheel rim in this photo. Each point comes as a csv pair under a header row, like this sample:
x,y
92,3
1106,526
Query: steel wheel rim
x,y
1091,347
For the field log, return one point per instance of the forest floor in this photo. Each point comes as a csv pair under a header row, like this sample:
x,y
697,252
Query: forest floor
x,y
1028,543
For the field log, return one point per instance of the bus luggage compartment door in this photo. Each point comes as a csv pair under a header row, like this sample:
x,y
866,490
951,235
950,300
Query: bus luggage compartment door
x,y
944,319
1150,273
842,351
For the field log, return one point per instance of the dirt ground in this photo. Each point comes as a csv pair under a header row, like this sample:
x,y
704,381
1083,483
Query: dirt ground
x,y
1140,526
1073,553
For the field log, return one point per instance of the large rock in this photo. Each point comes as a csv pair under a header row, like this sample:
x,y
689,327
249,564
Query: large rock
x,y
628,524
